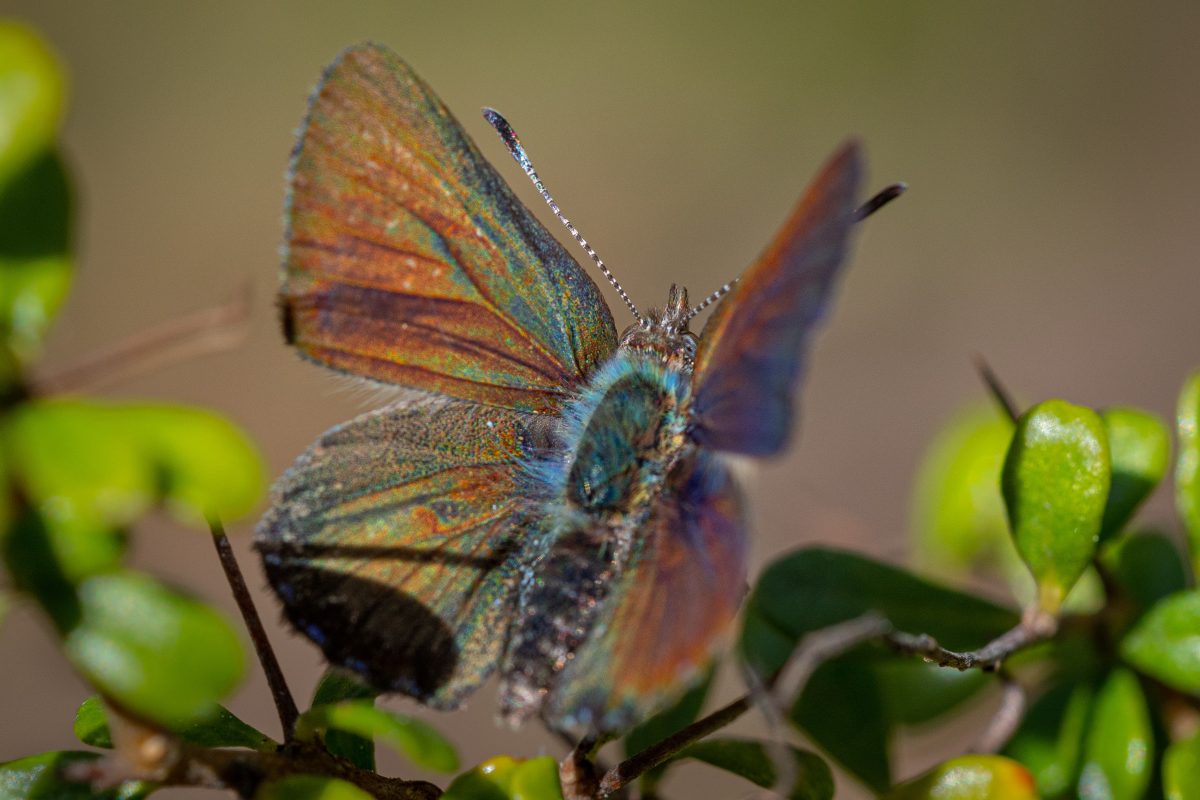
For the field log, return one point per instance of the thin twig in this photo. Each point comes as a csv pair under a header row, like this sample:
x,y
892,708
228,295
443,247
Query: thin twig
x,y
1006,719
201,332
815,649
285,704
1000,394
987,658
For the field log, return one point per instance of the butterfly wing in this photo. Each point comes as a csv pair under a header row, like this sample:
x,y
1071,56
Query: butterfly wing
x,y
665,615
392,543
409,261
754,346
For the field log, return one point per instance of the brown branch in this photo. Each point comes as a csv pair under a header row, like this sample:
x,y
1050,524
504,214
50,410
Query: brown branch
x,y
815,648
285,704
151,755
820,646
987,658
1006,719
1000,394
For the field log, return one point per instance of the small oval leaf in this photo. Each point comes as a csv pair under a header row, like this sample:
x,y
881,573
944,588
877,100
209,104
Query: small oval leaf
x,y
1165,643
1140,448
78,469
411,737
1181,769
220,729
958,516
1049,741
336,685
158,653
1187,465
32,90
507,778
811,777
1055,481
206,466
1118,753
970,778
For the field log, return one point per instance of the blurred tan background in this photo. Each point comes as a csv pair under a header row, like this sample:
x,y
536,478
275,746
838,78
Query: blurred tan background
x,y
1052,224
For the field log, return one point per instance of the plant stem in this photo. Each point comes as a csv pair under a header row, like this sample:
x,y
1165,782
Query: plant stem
x,y
285,704
996,388
1006,719
987,658
817,647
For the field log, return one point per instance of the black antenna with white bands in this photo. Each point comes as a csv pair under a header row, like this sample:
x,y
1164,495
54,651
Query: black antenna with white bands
x,y
509,137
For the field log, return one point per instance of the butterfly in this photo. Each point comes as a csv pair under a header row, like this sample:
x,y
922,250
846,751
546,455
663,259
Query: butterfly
x,y
546,499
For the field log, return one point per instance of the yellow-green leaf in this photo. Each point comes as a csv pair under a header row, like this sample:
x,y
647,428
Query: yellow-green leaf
x,y
1140,448
416,739
31,97
1165,643
970,778
1181,769
1187,467
1056,480
158,653
1118,753
957,512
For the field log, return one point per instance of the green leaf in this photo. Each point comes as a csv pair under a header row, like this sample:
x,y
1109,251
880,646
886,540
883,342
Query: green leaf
x,y
1165,644
814,588
413,738
95,466
221,729
42,777
35,261
1147,566
1187,467
1140,448
310,787
76,467
506,778
1055,481
43,567
1181,769
812,778
1118,755
958,516
841,709
31,97
206,466
970,778
916,692
336,685
158,653
1049,741
667,723
91,723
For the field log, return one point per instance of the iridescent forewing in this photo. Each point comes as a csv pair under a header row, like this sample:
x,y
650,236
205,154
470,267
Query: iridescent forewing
x,y
409,261
667,612
392,543
753,348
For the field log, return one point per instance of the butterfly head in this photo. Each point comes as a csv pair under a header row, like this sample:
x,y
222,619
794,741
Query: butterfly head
x,y
664,334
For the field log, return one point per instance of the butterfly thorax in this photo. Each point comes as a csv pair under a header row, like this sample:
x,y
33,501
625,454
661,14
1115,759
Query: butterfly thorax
x,y
664,333
619,441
